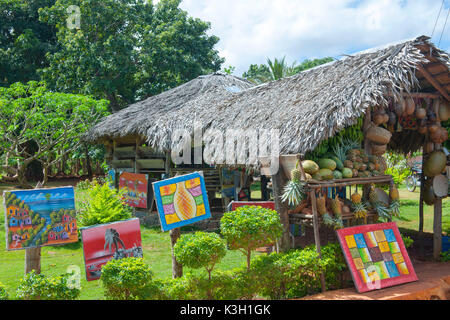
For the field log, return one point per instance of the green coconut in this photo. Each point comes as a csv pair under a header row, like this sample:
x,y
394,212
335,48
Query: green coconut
x,y
310,167
347,173
327,164
317,176
337,174
339,164
435,164
326,174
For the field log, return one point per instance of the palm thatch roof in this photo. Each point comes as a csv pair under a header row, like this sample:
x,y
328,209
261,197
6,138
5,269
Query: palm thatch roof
x,y
306,108
140,117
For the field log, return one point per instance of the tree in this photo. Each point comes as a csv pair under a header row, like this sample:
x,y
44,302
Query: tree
x,y
250,227
200,250
278,68
127,50
53,121
24,40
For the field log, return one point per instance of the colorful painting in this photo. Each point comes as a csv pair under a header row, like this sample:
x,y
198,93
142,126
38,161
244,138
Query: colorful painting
x,y
136,189
181,200
40,217
116,240
376,256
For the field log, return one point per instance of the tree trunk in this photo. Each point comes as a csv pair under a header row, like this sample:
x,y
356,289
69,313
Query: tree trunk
x,y
45,172
437,229
177,268
88,162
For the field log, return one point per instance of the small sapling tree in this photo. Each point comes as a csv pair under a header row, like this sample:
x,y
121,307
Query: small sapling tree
x,y
250,227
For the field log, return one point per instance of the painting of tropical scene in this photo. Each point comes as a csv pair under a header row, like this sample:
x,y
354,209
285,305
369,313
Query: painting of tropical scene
x,y
40,217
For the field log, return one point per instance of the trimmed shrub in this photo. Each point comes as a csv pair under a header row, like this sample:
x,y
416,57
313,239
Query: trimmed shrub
x,y
296,273
39,287
250,227
200,250
128,279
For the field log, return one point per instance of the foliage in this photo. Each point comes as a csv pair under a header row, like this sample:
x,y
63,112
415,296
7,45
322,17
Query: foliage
x,y
445,256
296,273
278,68
351,135
250,227
407,241
3,292
102,204
52,121
200,250
397,167
127,50
39,287
223,285
127,279
24,40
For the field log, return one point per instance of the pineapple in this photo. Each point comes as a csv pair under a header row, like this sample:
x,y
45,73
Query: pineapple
x,y
373,196
359,210
336,206
294,192
394,194
356,197
296,175
321,205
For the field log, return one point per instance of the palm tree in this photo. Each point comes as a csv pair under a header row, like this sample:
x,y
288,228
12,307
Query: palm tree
x,y
280,69
113,237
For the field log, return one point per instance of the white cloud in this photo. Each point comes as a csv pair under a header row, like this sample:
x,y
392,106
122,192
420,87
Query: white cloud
x,y
252,30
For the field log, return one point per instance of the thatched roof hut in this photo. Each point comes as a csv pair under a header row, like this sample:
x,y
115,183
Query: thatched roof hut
x,y
306,108
139,118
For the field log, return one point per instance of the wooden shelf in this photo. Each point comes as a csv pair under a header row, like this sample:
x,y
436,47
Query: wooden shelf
x,y
383,179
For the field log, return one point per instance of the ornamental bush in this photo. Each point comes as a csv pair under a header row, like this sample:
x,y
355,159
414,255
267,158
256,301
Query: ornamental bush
x,y
128,279
200,250
250,227
101,204
223,285
39,287
3,292
296,273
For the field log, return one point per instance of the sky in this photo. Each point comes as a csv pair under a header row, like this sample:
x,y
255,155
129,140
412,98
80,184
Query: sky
x,y
251,31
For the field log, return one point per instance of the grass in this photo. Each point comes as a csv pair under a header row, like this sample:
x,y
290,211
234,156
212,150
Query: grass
x,y
157,249
56,260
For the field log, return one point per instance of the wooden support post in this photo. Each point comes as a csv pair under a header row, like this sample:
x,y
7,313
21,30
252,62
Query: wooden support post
x,y
437,229
177,268
278,182
33,255
317,234
33,260
264,191
421,217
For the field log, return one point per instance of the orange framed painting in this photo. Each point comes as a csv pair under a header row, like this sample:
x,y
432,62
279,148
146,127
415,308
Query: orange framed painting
x,y
376,256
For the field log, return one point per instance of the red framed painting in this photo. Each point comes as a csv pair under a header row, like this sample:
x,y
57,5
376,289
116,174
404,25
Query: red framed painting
x,y
376,256
135,188
104,242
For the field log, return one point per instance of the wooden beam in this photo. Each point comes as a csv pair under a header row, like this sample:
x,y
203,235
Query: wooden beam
x,y
435,84
316,234
278,182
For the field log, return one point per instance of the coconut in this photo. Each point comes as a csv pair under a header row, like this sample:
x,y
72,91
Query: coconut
x,y
444,111
420,113
410,106
378,135
435,163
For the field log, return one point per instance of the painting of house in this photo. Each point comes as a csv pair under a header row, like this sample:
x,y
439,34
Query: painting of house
x,y
135,188
40,217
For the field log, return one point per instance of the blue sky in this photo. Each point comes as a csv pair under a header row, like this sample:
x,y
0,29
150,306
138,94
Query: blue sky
x,y
250,31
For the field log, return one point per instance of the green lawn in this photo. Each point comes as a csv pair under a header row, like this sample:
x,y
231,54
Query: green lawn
x,y
157,250
55,260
